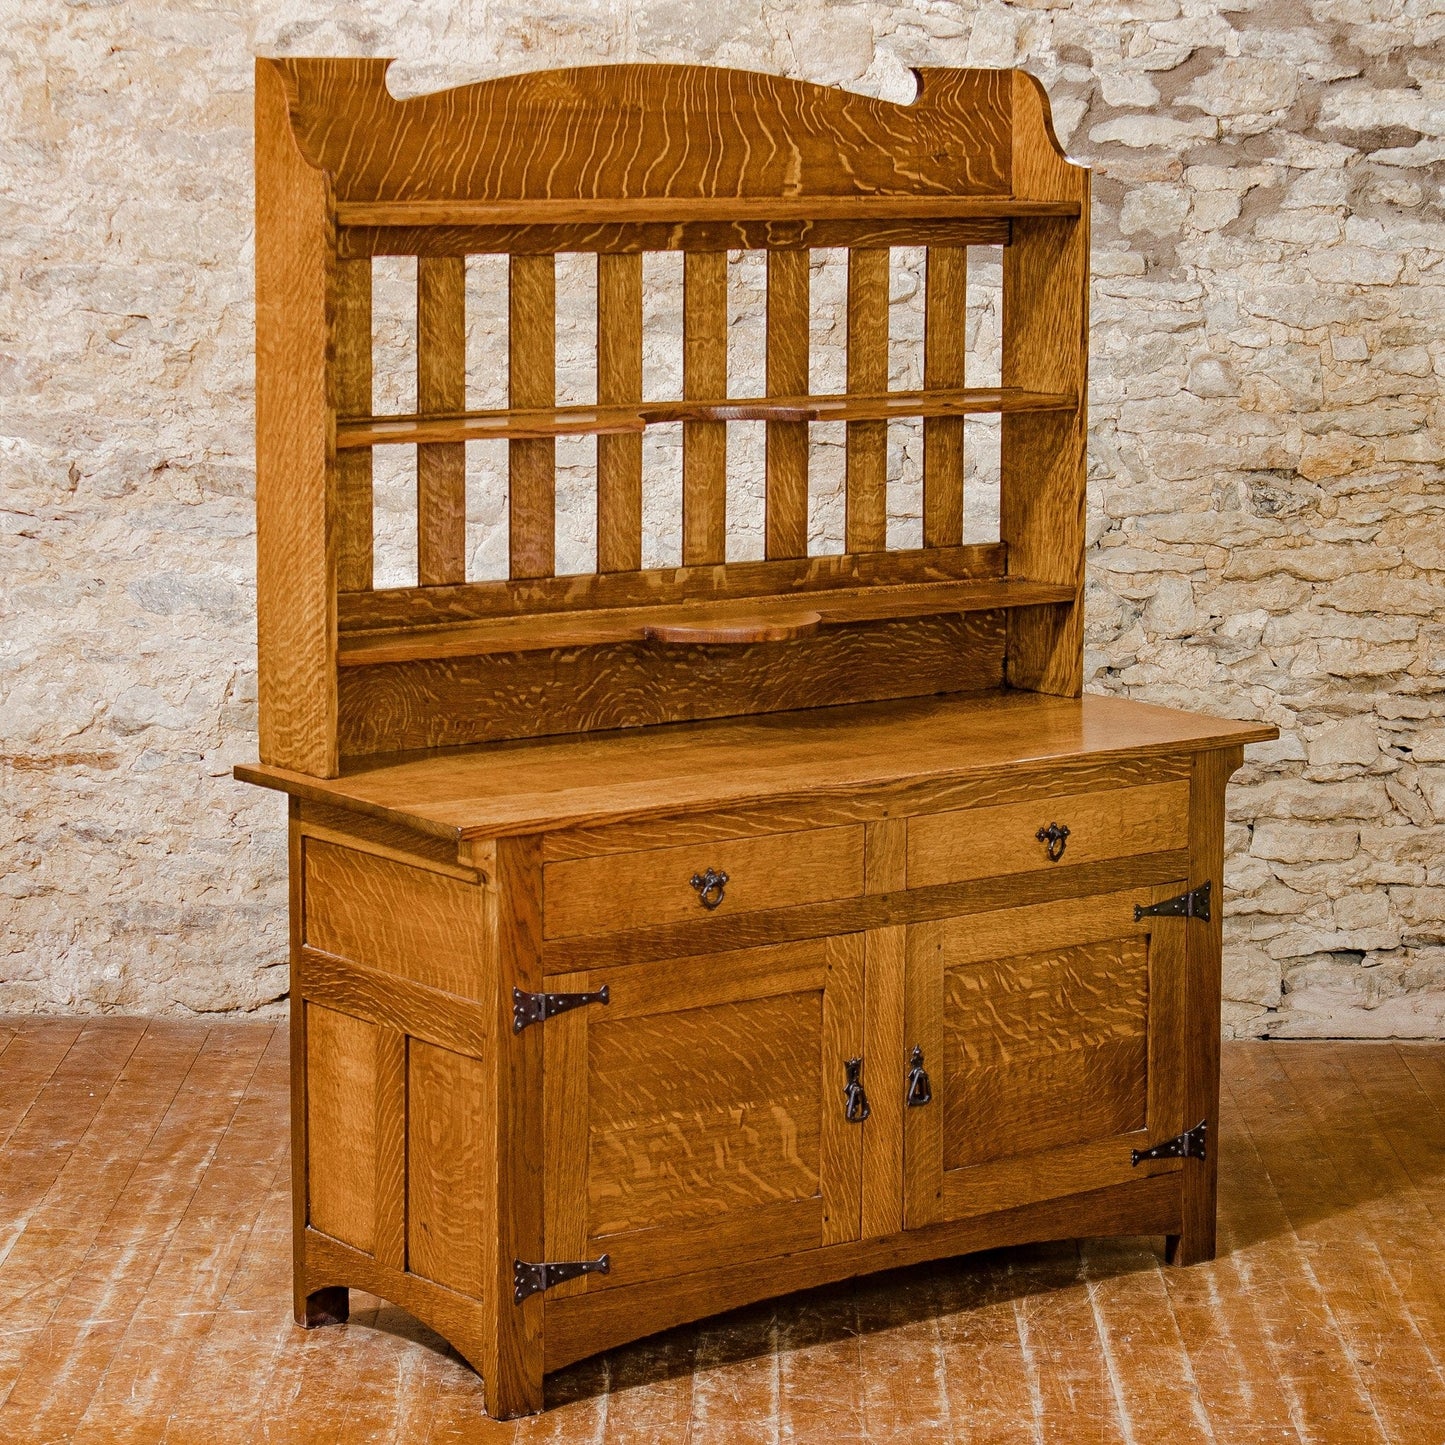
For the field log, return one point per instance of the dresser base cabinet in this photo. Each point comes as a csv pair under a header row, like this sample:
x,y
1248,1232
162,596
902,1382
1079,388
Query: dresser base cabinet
x,y
560,1089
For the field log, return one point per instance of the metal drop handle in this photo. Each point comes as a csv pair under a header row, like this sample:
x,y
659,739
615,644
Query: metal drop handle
x,y
920,1091
857,1108
1056,837
709,885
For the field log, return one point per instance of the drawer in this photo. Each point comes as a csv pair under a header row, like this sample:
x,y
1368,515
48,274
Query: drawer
x,y
637,890
986,842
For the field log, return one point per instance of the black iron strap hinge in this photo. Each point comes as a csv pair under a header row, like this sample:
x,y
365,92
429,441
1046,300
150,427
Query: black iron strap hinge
x,y
529,1279
1194,904
532,1008
1188,1145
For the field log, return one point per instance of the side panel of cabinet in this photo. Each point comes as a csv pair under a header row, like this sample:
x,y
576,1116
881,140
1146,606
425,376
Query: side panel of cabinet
x,y
1053,1039
698,1117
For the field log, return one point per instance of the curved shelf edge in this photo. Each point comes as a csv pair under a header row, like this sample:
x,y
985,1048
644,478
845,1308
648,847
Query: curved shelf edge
x,y
756,629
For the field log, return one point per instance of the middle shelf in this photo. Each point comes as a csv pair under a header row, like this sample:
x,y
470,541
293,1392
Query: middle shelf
x,y
520,424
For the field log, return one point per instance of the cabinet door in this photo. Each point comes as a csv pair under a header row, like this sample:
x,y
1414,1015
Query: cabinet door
x,y
699,1116
1053,1040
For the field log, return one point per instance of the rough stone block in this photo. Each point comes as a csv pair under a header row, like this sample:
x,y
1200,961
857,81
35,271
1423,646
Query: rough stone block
x,y
1302,842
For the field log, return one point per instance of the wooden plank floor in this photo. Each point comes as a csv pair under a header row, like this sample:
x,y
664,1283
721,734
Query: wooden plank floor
x,y
144,1293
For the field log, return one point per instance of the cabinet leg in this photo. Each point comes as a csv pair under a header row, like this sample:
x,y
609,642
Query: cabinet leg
x,y
510,1359
329,1306
1189,1248
1195,1242
509,1397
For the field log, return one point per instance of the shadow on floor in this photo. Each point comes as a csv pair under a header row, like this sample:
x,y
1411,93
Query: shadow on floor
x,y
922,1294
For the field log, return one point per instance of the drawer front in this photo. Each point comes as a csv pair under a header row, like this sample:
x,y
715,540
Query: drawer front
x,y
987,842
637,890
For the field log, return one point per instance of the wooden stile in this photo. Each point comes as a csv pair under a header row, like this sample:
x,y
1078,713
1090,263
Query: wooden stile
x,y
441,386
704,374
619,379
298,493
615,1000
867,508
532,332
1046,341
787,368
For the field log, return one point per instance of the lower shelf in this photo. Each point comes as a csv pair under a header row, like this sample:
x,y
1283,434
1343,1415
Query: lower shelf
x,y
734,621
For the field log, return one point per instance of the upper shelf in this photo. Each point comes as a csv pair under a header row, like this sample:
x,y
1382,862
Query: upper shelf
x,y
522,424
646,210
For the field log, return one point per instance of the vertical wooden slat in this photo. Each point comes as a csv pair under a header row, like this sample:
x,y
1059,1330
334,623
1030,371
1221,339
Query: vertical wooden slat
x,y
867,508
351,396
1164,1074
704,377
513,1174
885,871
532,312
619,379
923,1025
1199,1182
943,362
565,1107
1045,348
841,1144
337,1302
389,1140
787,441
441,386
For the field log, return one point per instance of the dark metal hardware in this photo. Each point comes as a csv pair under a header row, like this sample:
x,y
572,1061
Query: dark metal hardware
x,y
920,1091
857,1108
1188,1145
532,1008
529,1279
709,887
1194,904
1056,836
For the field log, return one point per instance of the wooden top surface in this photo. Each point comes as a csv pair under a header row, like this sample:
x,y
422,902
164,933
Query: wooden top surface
x,y
550,783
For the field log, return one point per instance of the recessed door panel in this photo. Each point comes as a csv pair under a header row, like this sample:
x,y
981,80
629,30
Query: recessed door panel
x,y
1051,1036
1053,1047
698,1116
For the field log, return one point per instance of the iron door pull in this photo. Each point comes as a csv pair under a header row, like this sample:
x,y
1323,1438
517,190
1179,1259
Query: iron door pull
x,y
1056,837
709,885
857,1107
920,1091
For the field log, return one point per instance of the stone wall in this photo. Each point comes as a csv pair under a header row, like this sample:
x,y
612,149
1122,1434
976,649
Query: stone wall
x,y
1266,489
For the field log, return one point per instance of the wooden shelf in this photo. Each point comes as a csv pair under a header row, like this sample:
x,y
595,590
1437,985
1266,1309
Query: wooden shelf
x,y
737,621
683,209
519,424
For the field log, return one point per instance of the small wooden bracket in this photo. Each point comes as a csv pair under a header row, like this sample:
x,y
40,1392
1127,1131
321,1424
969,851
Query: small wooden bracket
x,y
736,631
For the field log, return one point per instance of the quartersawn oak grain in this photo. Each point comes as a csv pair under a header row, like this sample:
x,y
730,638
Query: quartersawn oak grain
x,y
508,786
